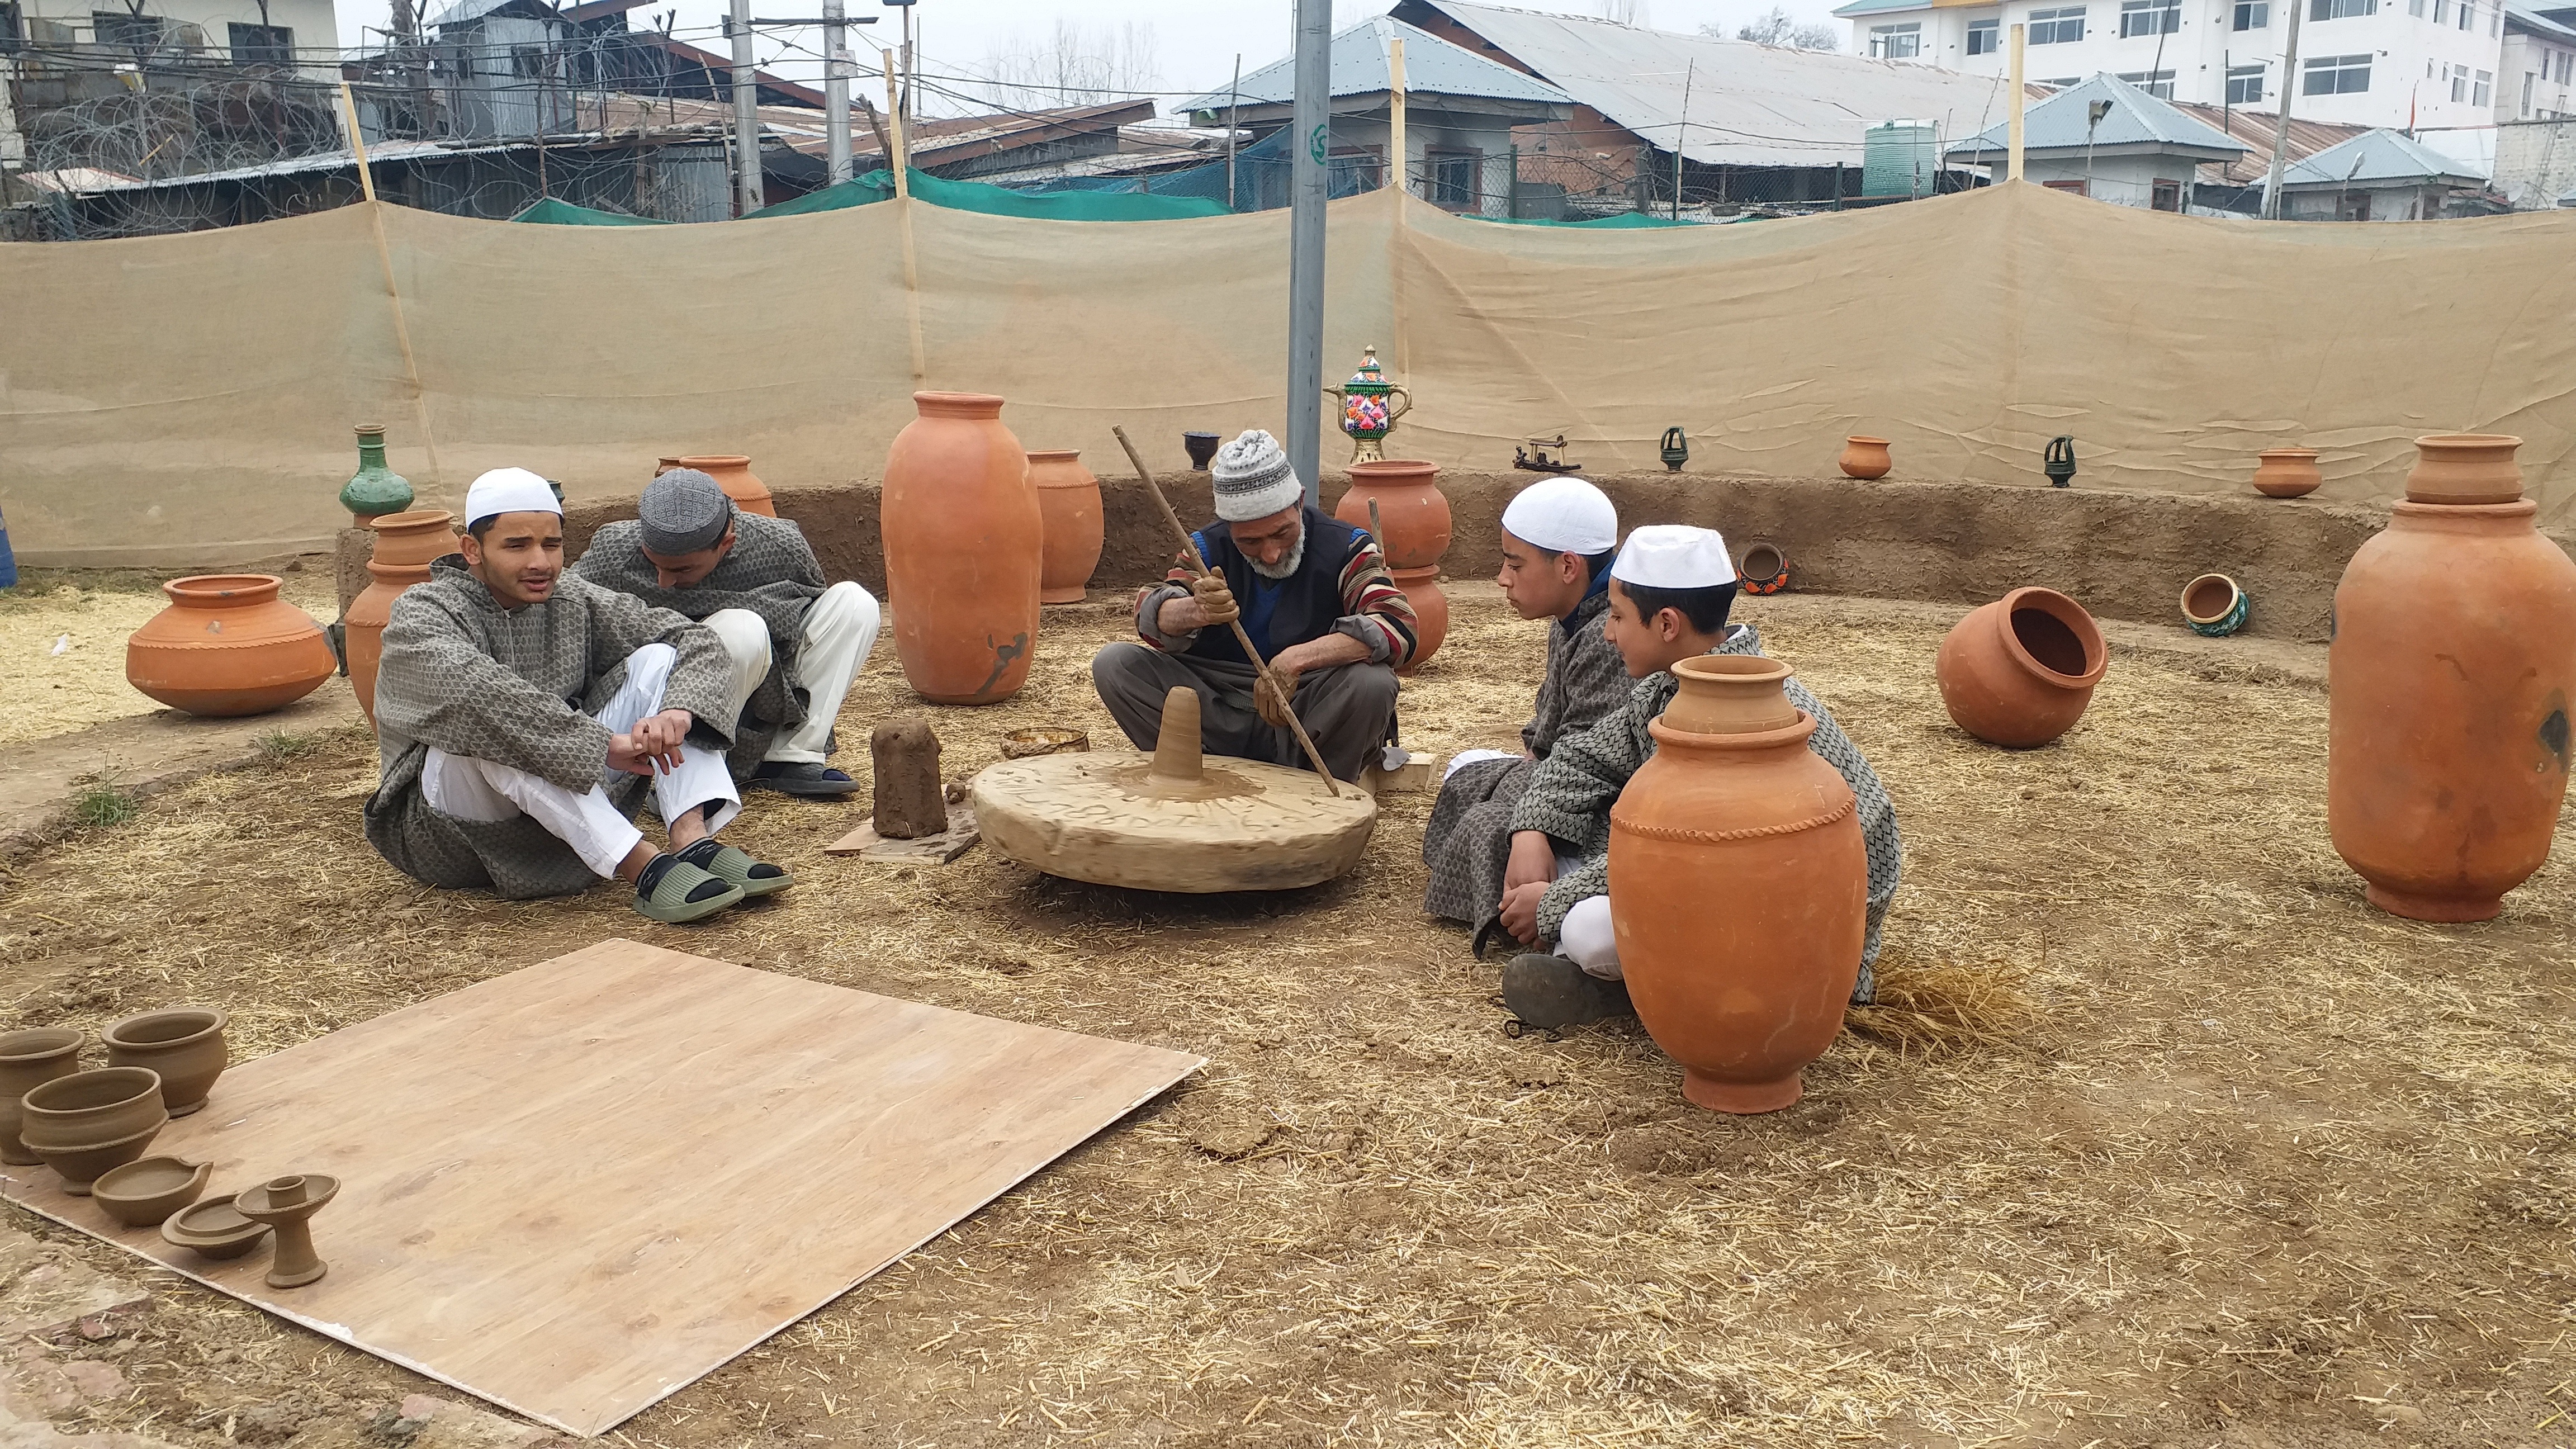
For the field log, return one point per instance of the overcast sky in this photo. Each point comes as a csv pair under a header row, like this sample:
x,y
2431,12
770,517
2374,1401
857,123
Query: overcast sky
x,y
1194,42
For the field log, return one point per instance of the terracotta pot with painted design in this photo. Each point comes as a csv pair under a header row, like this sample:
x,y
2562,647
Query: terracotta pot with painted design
x,y
2018,672
1070,528
732,472
1412,511
228,645
964,550
406,545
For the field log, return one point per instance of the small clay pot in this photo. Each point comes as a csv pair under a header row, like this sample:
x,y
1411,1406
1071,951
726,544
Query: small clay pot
x,y
732,472
1866,457
2287,472
2465,468
1201,447
2018,672
1020,744
228,645
1070,527
288,1205
29,1059
215,1228
1764,570
1430,612
147,1190
2213,604
185,1044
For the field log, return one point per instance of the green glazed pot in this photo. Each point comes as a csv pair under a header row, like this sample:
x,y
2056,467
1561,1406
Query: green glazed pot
x,y
375,489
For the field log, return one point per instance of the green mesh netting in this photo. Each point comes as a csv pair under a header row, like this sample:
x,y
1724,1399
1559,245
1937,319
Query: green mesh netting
x,y
999,201
552,212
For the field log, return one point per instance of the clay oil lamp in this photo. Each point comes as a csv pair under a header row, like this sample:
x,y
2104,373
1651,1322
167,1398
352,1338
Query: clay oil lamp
x,y
214,1228
288,1205
145,1192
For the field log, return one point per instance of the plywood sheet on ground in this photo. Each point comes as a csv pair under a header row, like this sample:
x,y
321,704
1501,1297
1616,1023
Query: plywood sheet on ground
x,y
579,1187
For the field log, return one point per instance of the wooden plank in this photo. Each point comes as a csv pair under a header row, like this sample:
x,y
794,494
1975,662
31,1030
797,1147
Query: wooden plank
x,y
947,845
578,1188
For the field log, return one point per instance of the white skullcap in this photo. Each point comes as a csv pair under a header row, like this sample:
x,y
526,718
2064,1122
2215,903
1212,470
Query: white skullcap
x,y
509,490
1563,515
1674,556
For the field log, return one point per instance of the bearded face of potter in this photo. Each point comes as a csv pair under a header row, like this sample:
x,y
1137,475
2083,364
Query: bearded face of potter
x,y
1274,545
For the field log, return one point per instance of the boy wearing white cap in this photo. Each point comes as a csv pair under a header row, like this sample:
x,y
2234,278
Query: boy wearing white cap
x,y
521,715
1559,536
1670,592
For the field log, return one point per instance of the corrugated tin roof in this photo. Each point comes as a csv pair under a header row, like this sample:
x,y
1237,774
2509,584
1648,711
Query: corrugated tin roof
x,y
2254,128
2064,122
2523,17
1361,67
1749,105
2382,155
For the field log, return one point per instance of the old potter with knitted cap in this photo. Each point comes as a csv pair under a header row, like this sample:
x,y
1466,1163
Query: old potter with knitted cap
x,y
795,641
522,715
1313,595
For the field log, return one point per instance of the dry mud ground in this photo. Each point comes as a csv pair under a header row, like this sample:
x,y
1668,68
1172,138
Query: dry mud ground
x,y
2167,1139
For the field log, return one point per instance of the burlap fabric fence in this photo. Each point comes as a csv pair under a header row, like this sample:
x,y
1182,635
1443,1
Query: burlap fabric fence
x,y
186,400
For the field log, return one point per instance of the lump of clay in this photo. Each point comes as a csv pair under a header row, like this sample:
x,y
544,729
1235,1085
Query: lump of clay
x,y
910,801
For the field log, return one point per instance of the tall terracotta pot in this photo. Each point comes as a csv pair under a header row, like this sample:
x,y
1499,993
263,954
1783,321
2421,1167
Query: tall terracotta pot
x,y
963,549
2453,662
406,545
2018,672
1412,511
1070,528
228,645
1746,988
1865,457
732,472
1430,612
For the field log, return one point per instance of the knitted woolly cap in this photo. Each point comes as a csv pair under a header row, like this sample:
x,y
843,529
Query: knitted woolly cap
x,y
1253,479
683,511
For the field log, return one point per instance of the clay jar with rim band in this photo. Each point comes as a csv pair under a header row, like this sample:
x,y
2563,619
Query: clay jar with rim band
x,y
964,541
88,1122
228,645
1747,986
2449,686
732,472
2287,472
1865,457
1070,528
2018,672
406,545
29,1059
184,1044
1412,511
1430,612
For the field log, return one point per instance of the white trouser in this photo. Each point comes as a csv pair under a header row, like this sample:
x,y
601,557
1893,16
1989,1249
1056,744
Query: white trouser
x,y
479,790
1586,939
840,629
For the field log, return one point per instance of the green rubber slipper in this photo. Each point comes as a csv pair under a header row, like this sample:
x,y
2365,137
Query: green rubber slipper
x,y
736,868
683,892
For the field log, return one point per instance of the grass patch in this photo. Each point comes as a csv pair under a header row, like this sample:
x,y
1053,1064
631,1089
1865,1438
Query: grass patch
x,y
103,804
281,746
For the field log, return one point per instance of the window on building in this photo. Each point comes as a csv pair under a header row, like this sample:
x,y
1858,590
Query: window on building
x,y
2257,14
2341,9
2441,12
2468,14
2482,92
128,31
2529,79
1453,179
1896,42
2415,8
1352,170
2459,83
262,44
2566,62
2244,85
1985,36
2150,17
2165,195
2157,83
2061,26
2335,75
2074,186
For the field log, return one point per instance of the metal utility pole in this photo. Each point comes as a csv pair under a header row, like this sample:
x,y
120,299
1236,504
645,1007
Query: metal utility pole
x,y
2281,127
746,112
1233,102
1310,144
836,96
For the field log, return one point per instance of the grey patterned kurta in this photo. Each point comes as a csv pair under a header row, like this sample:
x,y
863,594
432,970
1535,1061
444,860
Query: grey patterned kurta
x,y
1570,796
517,687
1468,843
771,571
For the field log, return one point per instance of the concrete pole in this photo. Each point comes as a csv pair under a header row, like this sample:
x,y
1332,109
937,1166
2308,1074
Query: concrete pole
x,y
836,96
746,113
1310,143
2012,152
1396,154
2281,127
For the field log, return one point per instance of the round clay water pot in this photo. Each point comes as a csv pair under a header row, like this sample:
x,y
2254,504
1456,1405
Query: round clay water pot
x,y
406,545
227,645
1413,514
1430,612
185,1044
1764,569
2215,605
732,472
2449,680
28,1059
2465,468
1866,457
88,1122
1069,524
964,548
2287,472
1746,991
2018,672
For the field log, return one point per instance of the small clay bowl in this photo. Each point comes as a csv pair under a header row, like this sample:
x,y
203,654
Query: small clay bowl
x,y
215,1228
1022,743
185,1044
144,1192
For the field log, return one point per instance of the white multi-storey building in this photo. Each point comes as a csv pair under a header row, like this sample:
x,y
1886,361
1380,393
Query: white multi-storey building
x,y
2405,63
2536,77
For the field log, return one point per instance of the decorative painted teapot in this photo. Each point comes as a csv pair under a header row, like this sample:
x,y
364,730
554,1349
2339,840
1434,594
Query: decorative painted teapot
x,y
1366,414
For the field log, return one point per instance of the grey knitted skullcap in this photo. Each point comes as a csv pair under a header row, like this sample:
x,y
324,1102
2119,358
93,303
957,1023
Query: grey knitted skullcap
x,y
1253,480
683,511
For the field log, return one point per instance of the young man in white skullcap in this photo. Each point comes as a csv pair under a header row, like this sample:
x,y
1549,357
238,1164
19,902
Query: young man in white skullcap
x,y
756,583
1559,536
1315,597
1670,593
521,715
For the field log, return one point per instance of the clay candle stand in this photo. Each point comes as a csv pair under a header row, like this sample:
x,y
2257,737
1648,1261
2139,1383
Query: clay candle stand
x,y
83,1124
732,472
2213,605
964,543
29,1059
2018,672
2450,679
1070,528
143,1193
185,1044
227,645
1865,457
288,1204
374,489
406,545
909,799
2287,472
215,1229
1201,447
1764,570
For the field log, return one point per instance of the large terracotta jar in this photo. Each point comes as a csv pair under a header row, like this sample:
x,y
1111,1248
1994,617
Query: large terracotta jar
x,y
1745,984
963,549
29,1059
1413,514
228,645
1070,527
2287,472
732,472
2453,662
1430,612
2019,671
406,545
1865,457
